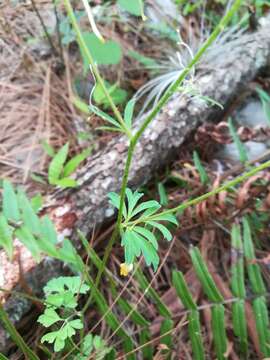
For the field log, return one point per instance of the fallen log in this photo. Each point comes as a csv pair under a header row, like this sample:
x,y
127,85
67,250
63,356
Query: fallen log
x,y
225,74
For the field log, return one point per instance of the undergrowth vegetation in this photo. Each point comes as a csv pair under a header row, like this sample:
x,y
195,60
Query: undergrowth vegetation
x,y
76,307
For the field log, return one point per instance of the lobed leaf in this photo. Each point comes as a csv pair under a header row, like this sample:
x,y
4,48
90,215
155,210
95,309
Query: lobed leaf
x,y
49,317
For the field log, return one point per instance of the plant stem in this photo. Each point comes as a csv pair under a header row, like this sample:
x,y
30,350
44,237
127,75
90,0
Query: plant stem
x,y
55,52
216,191
28,353
91,61
164,99
119,217
174,86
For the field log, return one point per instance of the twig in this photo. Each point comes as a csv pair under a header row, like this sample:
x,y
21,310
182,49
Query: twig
x,y
54,50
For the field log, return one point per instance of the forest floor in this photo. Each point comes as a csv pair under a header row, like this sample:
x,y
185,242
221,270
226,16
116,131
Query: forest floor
x,y
45,91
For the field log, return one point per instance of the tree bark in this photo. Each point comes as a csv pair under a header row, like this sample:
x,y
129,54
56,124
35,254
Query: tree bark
x,y
222,75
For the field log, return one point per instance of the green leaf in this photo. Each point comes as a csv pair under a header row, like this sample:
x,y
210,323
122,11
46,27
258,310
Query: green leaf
x,y
144,60
105,116
29,241
81,105
49,317
29,216
49,337
73,163
10,204
131,245
48,230
57,164
254,271
59,344
72,283
152,294
165,232
194,329
6,236
38,178
48,238
67,252
262,324
147,350
118,95
37,202
218,330
182,290
237,267
133,199
201,170
240,324
204,276
48,148
240,146
128,114
163,198
166,335
145,205
66,183
147,234
108,53
76,324
165,217
115,201
134,7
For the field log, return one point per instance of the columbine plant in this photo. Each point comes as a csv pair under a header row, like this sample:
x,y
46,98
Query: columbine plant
x,y
137,226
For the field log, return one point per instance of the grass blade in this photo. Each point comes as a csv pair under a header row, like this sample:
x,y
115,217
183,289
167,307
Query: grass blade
x,y
240,324
147,350
238,289
200,168
240,146
254,271
219,332
194,329
152,294
262,324
204,276
16,337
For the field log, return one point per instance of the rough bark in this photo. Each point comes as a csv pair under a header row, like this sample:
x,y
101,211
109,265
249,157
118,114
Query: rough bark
x,y
224,75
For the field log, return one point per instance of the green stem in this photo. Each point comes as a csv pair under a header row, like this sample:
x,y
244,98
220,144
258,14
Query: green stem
x,y
119,217
216,191
91,61
164,99
174,86
29,354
